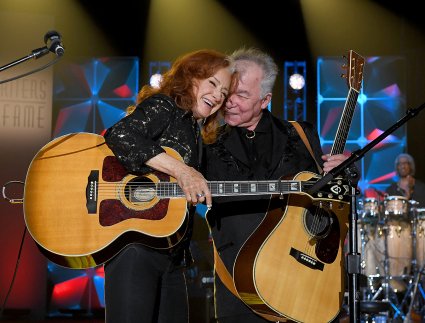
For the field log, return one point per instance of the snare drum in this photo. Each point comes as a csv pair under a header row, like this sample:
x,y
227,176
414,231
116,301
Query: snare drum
x,y
396,207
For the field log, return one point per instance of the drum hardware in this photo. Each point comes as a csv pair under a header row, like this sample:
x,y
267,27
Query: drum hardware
x,y
364,240
390,257
389,295
416,305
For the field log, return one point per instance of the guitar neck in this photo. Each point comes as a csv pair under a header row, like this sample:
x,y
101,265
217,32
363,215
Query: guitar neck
x,y
345,122
235,188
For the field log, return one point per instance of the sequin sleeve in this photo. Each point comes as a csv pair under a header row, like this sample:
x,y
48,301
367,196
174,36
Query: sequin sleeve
x,y
134,139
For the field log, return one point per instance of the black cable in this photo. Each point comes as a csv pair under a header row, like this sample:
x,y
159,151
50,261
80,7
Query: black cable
x,y
33,71
14,273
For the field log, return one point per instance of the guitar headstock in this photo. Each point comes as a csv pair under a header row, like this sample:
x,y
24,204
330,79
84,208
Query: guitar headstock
x,y
355,65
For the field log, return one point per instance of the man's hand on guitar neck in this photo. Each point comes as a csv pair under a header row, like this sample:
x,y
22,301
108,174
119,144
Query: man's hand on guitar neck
x,y
331,161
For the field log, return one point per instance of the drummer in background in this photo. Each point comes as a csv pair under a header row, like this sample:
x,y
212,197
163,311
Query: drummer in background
x,y
407,185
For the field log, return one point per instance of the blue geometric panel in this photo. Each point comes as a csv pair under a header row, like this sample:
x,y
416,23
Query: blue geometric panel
x,y
380,104
330,116
75,291
92,94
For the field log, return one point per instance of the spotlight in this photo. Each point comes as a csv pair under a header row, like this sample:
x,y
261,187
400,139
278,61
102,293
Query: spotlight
x,y
296,81
156,70
295,84
155,80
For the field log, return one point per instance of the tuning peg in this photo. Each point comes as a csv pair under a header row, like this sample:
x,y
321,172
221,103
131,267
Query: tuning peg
x,y
344,76
345,66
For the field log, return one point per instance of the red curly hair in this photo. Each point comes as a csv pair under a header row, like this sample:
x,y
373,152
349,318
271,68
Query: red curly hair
x,y
177,83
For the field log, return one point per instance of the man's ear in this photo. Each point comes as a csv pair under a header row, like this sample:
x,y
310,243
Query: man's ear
x,y
266,100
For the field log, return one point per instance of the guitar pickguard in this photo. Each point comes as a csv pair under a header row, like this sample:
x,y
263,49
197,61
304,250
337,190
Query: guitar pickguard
x,y
323,230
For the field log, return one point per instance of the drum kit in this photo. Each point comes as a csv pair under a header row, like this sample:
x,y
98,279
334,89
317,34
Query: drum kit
x,y
391,241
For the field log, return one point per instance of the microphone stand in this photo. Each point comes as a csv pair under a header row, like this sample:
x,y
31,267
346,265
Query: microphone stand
x,y
36,53
353,257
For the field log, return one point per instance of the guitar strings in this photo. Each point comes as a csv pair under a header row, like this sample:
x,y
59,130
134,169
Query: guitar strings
x,y
163,185
172,189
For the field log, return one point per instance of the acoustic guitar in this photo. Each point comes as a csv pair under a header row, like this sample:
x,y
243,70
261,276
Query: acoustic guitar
x,y
292,265
82,207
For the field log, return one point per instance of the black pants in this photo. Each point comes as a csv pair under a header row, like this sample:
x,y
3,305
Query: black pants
x,y
145,286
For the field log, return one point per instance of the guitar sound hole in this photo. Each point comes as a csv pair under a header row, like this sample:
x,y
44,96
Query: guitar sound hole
x,y
139,190
317,222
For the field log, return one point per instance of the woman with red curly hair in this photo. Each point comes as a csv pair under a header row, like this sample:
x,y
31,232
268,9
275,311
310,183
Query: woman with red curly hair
x,y
144,283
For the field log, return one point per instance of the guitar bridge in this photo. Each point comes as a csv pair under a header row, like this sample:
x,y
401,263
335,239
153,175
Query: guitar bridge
x,y
306,260
91,192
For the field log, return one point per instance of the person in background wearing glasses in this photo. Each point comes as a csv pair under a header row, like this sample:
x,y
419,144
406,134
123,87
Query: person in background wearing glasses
x,y
407,185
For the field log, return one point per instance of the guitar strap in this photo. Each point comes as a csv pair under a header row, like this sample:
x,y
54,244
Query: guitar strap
x,y
223,273
301,133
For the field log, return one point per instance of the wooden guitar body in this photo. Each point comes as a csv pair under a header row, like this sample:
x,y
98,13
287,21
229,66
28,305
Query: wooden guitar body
x,y
283,270
77,206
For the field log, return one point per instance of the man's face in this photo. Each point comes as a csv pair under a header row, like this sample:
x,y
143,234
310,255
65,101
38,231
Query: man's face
x,y
403,167
244,106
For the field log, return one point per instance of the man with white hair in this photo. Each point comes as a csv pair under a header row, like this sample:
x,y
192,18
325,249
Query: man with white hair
x,y
407,185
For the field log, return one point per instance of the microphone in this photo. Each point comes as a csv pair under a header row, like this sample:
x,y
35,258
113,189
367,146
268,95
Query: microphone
x,y
52,39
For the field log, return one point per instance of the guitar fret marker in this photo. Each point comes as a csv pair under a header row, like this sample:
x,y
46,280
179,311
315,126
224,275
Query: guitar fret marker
x,y
253,187
293,187
272,187
220,188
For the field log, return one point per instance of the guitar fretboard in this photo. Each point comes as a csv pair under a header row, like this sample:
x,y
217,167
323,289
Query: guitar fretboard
x,y
231,188
345,123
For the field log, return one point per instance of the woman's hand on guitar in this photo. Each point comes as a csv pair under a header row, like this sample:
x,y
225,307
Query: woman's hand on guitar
x,y
191,181
194,185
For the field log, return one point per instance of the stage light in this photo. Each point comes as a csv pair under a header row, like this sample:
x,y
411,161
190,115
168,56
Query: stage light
x,y
296,81
155,80
156,69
